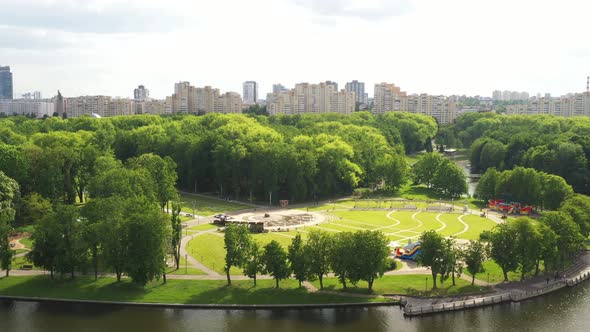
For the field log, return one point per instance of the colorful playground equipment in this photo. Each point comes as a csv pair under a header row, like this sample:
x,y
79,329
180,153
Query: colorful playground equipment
x,y
509,208
409,251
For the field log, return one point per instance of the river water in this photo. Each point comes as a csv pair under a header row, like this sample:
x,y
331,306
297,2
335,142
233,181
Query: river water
x,y
565,310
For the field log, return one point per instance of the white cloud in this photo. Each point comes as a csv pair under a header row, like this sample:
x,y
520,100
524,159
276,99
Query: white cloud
x,y
367,10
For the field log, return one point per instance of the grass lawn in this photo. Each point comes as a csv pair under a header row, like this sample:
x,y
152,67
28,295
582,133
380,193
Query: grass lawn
x,y
406,285
20,251
203,227
477,225
188,271
210,251
175,291
209,206
18,262
495,273
27,242
26,229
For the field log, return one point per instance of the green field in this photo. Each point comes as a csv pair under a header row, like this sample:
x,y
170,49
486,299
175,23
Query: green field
x,y
27,242
174,291
203,227
209,206
419,284
495,273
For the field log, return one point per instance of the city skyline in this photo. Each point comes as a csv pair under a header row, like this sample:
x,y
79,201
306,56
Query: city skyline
x,y
95,47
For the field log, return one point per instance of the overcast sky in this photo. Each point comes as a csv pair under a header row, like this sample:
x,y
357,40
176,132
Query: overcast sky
x,y
425,46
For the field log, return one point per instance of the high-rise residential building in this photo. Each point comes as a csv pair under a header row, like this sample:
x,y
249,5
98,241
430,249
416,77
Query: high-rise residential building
x,y
497,95
141,93
28,107
190,99
334,84
311,98
387,97
98,105
250,92
276,88
506,95
32,95
571,105
359,91
6,91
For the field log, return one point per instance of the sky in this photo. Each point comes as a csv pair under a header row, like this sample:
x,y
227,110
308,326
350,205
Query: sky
x,y
471,47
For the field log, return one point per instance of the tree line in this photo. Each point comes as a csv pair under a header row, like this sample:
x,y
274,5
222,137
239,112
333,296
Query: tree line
x,y
550,144
352,257
300,157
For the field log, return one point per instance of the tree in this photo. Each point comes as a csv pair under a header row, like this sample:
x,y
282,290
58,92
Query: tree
x,y
549,250
526,245
503,248
254,263
474,255
372,256
298,259
317,249
237,242
343,257
163,175
33,208
432,255
578,207
449,179
275,262
486,187
424,169
176,237
569,237
555,191
9,192
451,260
146,233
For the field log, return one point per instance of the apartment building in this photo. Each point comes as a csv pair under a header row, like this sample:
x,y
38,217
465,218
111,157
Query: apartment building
x,y
311,98
190,99
571,105
387,97
28,107
103,106
250,92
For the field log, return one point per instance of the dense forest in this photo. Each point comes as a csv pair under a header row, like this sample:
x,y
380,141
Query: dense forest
x,y
550,144
294,157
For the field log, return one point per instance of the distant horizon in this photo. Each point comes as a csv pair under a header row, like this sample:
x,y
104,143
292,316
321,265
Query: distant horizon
x,y
455,47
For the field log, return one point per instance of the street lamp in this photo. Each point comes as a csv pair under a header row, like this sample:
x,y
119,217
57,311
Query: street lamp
x,y
194,206
426,284
185,263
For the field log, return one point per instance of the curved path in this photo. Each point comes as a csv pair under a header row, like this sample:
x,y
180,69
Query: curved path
x,y
190,259
444,225
464,224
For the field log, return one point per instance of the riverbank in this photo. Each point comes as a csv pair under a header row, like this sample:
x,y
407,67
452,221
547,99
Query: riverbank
x,y
175,291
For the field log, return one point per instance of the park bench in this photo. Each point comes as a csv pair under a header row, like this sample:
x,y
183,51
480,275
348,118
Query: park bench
x,y
26,267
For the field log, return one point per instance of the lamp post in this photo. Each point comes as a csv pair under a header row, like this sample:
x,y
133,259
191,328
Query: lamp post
x,y
426,284
194,207
185,263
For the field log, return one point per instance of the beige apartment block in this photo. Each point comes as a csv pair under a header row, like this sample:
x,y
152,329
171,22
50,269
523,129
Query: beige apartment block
x,y
195,100
230,103
573,105
311,98
388,97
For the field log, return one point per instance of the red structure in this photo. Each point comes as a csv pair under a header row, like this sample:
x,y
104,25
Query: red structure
x,y
509,208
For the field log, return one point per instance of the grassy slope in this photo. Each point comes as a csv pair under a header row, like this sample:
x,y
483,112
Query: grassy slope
x,y
175,291
405,284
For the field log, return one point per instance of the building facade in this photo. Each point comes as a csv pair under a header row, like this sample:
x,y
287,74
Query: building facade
x,y
387,97
6,89
572,105
28,107
141,93
359,91
250,92
194,100
103,106
311,98
276,88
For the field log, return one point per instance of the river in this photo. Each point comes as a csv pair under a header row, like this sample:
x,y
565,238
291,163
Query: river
x,y
565,310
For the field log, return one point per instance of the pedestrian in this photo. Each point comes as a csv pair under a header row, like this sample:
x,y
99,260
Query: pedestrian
x,y
547,280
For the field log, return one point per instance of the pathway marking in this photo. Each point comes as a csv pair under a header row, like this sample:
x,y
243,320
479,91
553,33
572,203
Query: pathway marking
x,y
464,229
444,225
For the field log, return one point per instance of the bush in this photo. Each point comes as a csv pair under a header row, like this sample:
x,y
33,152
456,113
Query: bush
x,y
391,264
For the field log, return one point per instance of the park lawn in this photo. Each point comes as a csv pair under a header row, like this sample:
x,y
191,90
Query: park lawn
x,y
336,227
353,224
411,284
25,229
20,251
495,273
284,238
27,242
185,218
420,192
428,220
203,227
206,206
209,249
407,222
186,271
18,262
453,224
174,291
477,225
341,204
376,218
